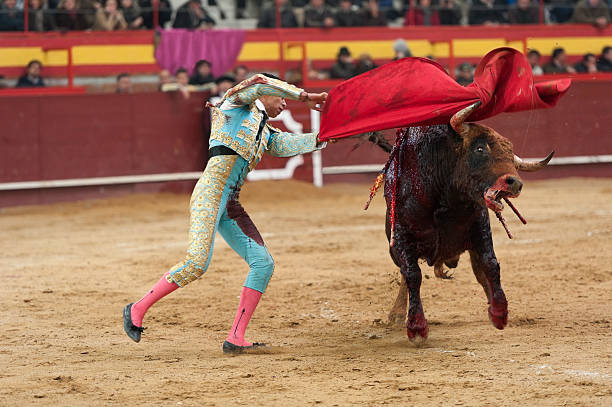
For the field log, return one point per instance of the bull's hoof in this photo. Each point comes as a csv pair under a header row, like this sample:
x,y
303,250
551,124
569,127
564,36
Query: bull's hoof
x,y
498,316
417,329
397,319
418,341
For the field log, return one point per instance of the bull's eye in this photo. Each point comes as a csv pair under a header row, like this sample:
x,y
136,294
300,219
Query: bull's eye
x,y
480,149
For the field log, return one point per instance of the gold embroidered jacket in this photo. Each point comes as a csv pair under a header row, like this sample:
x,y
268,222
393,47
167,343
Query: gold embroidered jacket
x,y
239,124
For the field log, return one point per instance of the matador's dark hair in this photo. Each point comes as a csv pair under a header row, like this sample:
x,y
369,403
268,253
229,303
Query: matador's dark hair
x,y
269,75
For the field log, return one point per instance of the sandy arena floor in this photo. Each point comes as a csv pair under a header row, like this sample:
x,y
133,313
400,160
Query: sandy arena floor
x,y
68,270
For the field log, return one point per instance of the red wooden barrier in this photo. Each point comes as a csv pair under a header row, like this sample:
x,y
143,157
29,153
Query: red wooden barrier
x,y
80,136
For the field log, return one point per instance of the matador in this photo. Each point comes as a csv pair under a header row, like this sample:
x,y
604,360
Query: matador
x,y
239,136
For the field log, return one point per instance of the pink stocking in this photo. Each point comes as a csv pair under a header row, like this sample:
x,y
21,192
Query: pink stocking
x,y
159,290
249,299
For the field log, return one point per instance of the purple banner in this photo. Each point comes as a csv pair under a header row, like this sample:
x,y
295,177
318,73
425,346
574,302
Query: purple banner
x,y
183,48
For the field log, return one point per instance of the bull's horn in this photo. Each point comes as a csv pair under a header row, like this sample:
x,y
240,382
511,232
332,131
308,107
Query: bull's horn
x,y
525,165
457,120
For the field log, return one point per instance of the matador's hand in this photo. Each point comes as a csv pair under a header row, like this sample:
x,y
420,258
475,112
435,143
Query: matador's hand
x,y
315,101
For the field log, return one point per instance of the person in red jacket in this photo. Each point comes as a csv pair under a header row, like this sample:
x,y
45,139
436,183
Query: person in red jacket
x,y
424,14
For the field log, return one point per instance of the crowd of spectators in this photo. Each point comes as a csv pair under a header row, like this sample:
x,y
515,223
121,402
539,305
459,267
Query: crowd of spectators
x,y
48,15
346,67
75,15
556,64
356,13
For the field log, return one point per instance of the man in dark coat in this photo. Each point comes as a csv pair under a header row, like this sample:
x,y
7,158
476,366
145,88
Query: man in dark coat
x,y
523,12
588,64
558,63
31,78
344,67
594,12
202,73
192,15
11,19
347,16
449,13
487,12
604,63
317,14
267,19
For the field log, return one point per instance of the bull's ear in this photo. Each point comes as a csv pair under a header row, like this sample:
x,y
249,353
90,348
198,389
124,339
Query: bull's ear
x,y
457,122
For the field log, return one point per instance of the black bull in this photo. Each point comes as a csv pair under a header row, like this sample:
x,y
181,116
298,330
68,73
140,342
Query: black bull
x,y
439,182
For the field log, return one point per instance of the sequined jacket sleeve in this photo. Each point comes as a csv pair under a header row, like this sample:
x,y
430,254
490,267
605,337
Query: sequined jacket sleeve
x,y
283,144
249,90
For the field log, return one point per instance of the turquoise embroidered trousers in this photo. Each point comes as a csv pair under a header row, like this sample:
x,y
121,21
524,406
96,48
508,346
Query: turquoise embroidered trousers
x,y
214,207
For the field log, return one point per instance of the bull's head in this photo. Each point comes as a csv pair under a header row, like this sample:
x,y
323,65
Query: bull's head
x,y
488,164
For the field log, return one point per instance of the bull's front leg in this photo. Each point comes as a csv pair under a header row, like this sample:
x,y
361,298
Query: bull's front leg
x,y
416,324
486,269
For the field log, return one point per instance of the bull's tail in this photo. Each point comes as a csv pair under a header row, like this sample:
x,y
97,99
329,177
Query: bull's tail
x,y
378,139
394,155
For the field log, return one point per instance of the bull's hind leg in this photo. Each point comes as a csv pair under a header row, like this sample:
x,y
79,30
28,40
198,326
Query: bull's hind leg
x,y
397,315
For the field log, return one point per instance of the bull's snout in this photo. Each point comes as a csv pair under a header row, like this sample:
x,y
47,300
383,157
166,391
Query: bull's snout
x,y
514,184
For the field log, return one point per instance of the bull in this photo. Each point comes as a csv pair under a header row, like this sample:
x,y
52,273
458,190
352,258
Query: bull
x,y
439,183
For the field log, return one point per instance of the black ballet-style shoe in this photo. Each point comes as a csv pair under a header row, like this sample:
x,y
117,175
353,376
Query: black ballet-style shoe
x,y
229,347
131,330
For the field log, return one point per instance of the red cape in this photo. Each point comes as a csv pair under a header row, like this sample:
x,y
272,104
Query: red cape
x,y
418,92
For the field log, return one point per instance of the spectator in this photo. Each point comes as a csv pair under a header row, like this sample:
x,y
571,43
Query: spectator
x,y
449,13
534,60
31,77
364,64
593,12
124,83
523,12
3,84
558,63
224,83
347,15
240,73
132,14
164,15
165,77
372,16
401,49
588,64
316,14
39,18
69,17
182,77
344,67
182,80
561,11
487,12
267,18
604,63
201,73
465,74
109,18
89,8
424,14
192,15
11,19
